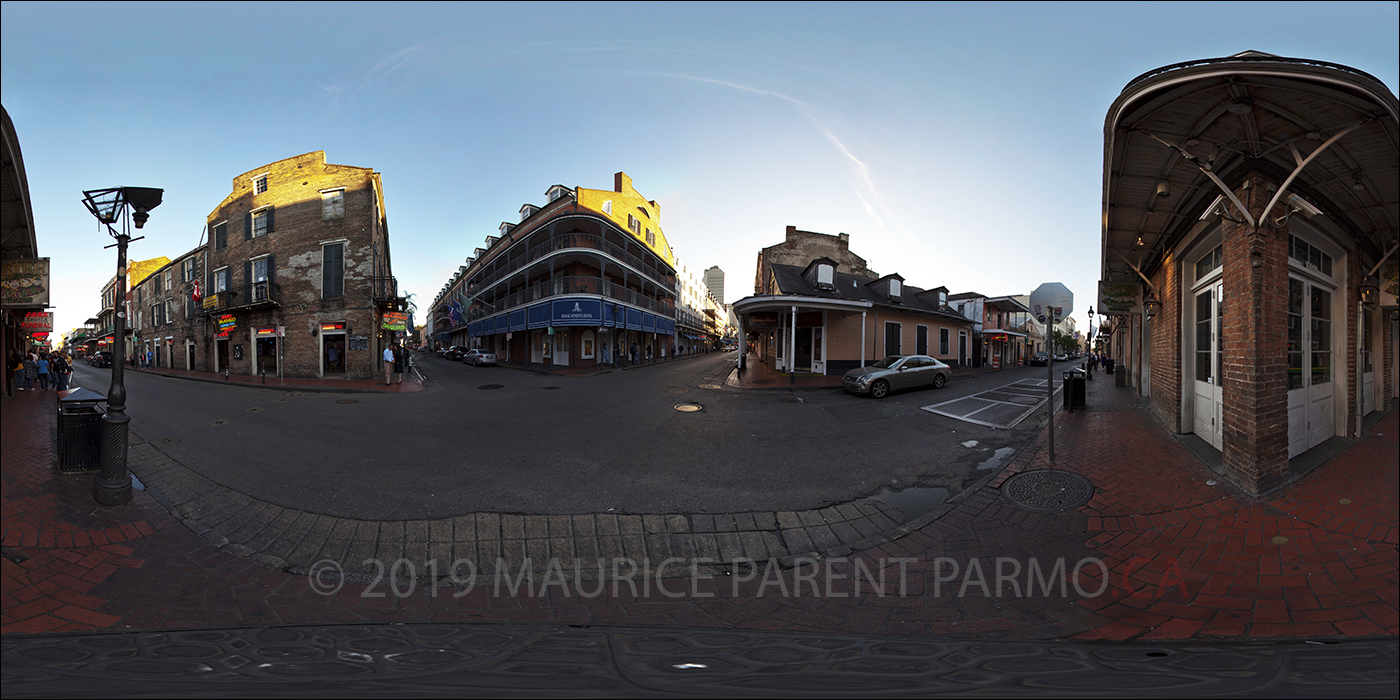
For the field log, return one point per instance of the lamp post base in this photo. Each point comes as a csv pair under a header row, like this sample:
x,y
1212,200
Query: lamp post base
x,y
113,485
112,495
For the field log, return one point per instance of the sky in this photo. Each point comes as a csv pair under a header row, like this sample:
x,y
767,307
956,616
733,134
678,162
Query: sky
x,y
959,144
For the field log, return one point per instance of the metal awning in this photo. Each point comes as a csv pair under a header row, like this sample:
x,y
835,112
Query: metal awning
x,y
1181,136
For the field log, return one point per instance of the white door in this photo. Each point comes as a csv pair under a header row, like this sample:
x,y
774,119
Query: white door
x,y
561,347
1311,385
1368,369
1206,365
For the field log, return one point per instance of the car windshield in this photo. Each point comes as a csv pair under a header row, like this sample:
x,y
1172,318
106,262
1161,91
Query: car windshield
x,y
888,362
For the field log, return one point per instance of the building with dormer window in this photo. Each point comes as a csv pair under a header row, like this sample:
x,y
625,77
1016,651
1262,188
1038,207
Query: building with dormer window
x,y
818,319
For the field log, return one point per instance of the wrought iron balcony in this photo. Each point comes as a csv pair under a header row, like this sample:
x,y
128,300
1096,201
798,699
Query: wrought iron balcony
x,y
384,289
248,296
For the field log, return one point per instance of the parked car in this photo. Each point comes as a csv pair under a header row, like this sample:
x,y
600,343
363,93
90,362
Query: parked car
x,y
894,373
1040,359
1062,357
477,357
102,358
455,353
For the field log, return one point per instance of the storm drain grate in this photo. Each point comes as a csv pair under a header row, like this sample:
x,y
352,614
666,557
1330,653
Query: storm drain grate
x,y
687,407
1048,490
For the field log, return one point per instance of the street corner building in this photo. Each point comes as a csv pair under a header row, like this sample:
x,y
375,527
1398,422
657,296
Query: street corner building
x,y
295,277
577,281
1249,254
817,309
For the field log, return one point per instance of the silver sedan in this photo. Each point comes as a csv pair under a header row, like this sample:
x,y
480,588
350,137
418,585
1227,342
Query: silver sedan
x,y
895,372
478,357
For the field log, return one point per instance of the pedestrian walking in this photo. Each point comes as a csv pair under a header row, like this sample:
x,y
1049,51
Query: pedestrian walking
x,y
61,370
31,371
635,353
388,365
398,362
43,367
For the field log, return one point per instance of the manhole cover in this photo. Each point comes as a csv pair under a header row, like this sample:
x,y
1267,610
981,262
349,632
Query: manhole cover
x,y
711,386
347,400
687,407
254,409
218,421
489,387
550,388
1048,490
675,389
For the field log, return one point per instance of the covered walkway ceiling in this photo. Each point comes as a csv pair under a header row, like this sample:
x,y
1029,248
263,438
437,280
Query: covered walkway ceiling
x,y
1182,135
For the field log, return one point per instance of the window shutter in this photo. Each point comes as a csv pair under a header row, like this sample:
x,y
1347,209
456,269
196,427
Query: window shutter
x,y
248,275
247,225
270,221
271,269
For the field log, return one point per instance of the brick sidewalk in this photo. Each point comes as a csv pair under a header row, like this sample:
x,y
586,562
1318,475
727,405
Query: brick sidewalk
x,y
1185,559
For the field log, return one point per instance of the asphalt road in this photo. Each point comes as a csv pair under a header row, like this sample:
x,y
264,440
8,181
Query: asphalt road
x,y
543,444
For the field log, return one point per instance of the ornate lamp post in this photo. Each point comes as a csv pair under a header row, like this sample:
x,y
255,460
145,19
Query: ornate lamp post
x,y
124,204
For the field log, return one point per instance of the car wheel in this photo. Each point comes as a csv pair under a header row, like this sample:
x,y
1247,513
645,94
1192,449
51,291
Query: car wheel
x,y
939,380
880,389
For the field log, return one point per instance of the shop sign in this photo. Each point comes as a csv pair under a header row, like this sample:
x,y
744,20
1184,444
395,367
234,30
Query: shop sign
x,y
584,312
1120,298
359,342
36,321
24,282
211,302
227,322
763,319
267,331
394,321
333,326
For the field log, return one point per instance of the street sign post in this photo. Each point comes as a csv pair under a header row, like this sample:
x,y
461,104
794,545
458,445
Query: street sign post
x,y
1051,302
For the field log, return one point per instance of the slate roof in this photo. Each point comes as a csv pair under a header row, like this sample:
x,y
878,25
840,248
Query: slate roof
x,y
792,280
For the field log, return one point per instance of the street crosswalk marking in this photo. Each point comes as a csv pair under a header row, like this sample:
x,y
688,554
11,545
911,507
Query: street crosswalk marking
x,y
1002,407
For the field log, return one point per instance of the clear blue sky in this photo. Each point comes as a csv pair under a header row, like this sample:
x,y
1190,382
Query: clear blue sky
x,y
958,144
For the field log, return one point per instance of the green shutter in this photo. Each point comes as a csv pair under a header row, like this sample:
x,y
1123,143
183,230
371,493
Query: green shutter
x,y
270,212
247,225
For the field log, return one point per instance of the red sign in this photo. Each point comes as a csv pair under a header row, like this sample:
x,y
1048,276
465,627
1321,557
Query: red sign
x,y
195,294
333,326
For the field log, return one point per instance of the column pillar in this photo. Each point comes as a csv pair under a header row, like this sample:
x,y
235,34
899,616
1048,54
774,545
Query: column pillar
x,y
1254,343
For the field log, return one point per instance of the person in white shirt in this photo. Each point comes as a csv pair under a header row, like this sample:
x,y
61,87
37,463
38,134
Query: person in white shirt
x,y
388,364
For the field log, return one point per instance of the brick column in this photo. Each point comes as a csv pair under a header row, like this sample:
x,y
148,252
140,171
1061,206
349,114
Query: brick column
x,y
1165,345
1255,345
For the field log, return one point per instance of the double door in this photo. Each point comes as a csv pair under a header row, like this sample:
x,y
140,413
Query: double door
x,y
1311,380
1207,363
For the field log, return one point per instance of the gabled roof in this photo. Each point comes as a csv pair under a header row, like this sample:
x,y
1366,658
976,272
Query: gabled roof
x,y
793,280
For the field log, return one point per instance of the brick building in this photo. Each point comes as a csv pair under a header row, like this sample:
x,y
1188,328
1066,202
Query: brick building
x,y
1250,229
815,318
801,247
296,275
575,281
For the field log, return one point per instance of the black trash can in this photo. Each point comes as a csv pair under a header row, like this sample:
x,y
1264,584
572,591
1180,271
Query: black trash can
x,y
79,437
1074,389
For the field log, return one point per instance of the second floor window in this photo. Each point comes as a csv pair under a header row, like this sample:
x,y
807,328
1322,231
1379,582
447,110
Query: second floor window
x,y
220,283
634,225
220,236
333,270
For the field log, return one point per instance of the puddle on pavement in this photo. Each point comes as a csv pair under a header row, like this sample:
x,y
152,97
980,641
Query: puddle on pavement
x,y
136,483
913,501
996,459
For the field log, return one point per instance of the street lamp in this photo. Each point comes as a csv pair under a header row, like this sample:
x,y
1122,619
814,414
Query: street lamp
x,y
127,205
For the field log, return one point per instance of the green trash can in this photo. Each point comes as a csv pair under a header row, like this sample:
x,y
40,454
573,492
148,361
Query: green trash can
x,y
79,434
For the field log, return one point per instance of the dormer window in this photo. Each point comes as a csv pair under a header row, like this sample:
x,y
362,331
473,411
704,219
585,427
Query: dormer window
x,y
556,192
942,299
506,226
527,210
826,276
894,289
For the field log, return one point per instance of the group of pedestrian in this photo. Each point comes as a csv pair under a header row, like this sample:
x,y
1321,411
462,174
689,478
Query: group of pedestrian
x,y
395,358
42,368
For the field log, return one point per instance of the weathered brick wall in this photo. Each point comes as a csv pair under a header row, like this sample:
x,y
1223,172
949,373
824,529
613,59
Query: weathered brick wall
x,y
295,244
1166,379
802,247
1255,435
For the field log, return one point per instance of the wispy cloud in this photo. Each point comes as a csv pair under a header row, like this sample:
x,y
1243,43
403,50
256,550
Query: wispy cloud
x,y
864,186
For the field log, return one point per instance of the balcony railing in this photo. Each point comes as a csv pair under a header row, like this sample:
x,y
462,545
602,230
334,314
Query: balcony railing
x,y
246,297
566,241
384,288
571,284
